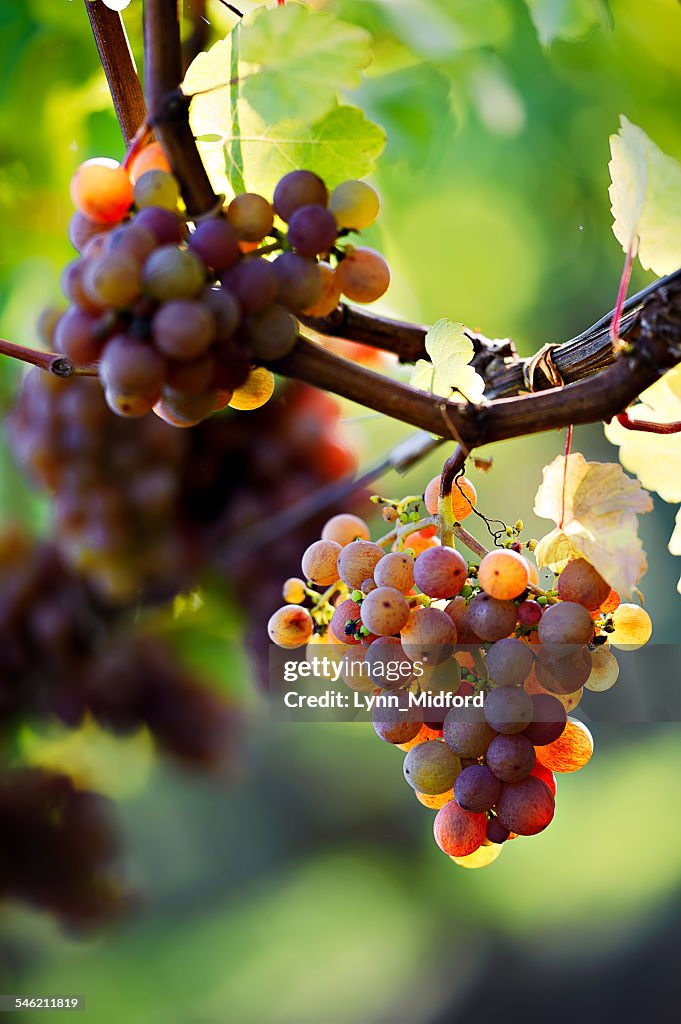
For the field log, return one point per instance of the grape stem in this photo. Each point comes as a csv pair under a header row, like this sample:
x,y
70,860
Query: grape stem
x,y
649,426
119,67
51,362
400,532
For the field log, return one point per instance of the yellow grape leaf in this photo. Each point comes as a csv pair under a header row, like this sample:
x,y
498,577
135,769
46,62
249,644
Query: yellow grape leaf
x,y
675,542
598,513
646,199
450,353
654,458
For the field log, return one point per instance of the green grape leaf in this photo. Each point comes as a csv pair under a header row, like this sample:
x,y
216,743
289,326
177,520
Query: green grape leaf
x,y
298,60
566,19
450,353
342,145
646,199
595,507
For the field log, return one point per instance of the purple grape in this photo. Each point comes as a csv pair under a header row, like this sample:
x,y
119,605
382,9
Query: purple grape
x,y
312,230
476,789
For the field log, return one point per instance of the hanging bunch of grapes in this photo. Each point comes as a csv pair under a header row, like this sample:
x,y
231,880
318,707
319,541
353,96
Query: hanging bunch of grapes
x,y
177,315
469,668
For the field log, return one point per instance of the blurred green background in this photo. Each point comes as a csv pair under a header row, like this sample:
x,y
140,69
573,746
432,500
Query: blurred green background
x,y
311,890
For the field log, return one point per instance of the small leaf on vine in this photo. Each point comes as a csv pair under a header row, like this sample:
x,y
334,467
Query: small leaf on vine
x,y
448,371
599,505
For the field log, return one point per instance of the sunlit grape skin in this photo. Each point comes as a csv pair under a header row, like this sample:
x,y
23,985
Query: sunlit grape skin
x,y
344,528
580,582
503,574
251,216
440,572
464,497
290,626
363,276
633,627
526,807
571,751
320,562
354,204
429,636
257,389
101,191
396,569
384,611
357,561
458,832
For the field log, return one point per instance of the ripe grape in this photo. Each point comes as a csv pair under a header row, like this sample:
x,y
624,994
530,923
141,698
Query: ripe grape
x,y
172,273
353,671
397,724
363,275
132,368
130,405
560,673
458,613
299,281
548,720
251,216
604,670
215,242
296,189
579,582
193,377
529,613
330,292
510,758
571,751
256,390
436,801
75,336
476,788
82,229
293,590
431,767
395,569
508,709
509,662
183,329
130,241
503,574
467,732
546,775
290,626
101,191
480,858
166,227
182,410
440,572
320,562
491,619
611,602
459,832
633,627
496,832
464,497
428,636
420,540
354,204
368,586
312,230
566,623
357,562
254,284
345,612
344,528
151,158
385,610
111,282
387,664
525,807
157,188
225,309
272,333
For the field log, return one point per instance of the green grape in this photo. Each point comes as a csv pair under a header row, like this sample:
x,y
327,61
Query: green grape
x,y
354,204
157,188
111,281
173,273
431,767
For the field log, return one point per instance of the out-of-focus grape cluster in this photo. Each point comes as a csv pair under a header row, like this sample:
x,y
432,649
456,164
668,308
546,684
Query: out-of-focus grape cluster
x,y
177,316
470,669
60,849
141,510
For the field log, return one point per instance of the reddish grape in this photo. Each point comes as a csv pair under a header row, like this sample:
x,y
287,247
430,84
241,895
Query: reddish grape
x,y
216,243
363,275
440,572
510,758
508,709
529,613
503,574
299,281
251,216
476,788
183,329
509,662
312,230
490,618
296,189
101,191
548,720
254,283
459,832
581,583
166,227
525,807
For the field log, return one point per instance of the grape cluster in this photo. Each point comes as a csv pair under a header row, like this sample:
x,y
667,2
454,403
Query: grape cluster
x,y
65,654
473,667
60,849
141,510
176,316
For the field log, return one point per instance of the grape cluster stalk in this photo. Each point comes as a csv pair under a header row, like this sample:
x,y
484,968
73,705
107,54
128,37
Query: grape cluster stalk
x,y
472,668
